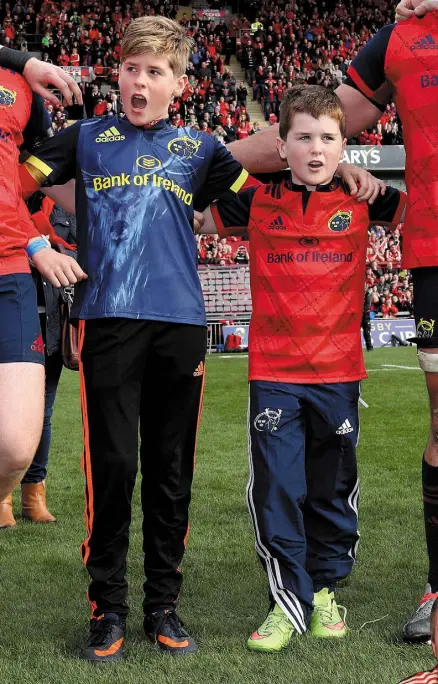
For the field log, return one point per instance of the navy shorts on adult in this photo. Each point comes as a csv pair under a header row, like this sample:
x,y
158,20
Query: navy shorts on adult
x,y
20,331
303,489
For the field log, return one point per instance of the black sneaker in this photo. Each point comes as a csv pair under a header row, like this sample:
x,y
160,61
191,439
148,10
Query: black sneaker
x,y
417,628
165,629
106,640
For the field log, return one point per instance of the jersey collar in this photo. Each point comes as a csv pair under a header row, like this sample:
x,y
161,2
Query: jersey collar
x,y
328,187
153,126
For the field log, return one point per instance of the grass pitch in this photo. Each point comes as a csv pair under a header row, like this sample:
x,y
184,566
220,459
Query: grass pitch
x,y
43,586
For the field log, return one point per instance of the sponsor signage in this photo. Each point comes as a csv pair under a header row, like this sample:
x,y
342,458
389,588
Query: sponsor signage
x,y
212,14
381,331
383,328
376,158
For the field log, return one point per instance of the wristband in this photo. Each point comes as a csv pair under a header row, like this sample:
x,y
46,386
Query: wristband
x,y
36,246
14,59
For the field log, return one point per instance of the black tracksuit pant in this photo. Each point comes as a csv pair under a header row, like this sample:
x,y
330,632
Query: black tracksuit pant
x,y
148,375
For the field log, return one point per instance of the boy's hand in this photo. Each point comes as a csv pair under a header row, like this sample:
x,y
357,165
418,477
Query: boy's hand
x,y
41,74
364,187
60,269
198,222
418,8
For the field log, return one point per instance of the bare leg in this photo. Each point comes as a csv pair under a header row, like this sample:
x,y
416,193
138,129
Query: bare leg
x,y
21,420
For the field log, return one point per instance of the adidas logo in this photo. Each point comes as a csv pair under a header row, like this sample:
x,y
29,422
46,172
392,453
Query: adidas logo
x,y
277,224
345,428
38,345
426,43
200,370
111,135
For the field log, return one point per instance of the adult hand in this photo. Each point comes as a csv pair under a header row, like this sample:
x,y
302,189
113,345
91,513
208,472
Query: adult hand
x,y
60,269
418,8
364,187
41,74
198,221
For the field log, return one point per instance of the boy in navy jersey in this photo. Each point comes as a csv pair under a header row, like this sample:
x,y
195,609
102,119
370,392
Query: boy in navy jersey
x,y
308,241
142,324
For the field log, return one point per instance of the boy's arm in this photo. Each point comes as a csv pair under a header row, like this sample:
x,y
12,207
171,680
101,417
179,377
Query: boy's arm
x,y
40,74
231,216
63,196
388,209
418,8
366,92
39,126
225,178
54,162
60,269
208,226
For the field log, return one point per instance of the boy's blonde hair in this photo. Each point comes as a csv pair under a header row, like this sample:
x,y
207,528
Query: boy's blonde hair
x,y
310,99
161,36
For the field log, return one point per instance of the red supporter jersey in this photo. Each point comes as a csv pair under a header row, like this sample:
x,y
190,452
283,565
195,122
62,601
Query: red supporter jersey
x,y
307,261
15,108
406,56
429,677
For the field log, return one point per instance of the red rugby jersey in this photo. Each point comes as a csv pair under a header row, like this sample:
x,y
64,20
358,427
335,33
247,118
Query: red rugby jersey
x,y
429,677
406,56
307,263
15,224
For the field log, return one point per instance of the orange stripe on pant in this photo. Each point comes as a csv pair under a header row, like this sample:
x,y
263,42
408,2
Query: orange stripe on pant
x,y
86,462
198,423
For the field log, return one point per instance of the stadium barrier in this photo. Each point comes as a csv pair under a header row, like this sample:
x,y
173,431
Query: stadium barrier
x,y
227,292
228,306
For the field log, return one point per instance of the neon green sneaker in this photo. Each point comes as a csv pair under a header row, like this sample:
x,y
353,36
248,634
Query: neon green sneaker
x,y
326,621
274,634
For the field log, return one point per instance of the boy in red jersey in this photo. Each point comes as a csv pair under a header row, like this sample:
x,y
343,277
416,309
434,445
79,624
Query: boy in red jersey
x,y
400,64
308,241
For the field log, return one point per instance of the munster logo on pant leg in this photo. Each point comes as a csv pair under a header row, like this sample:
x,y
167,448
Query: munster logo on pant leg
x,y
268,420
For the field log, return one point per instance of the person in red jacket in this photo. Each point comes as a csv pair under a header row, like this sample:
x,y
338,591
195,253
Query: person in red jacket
x,y
23,118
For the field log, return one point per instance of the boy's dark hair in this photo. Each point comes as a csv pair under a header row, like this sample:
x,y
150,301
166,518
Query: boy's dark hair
x,y
310,99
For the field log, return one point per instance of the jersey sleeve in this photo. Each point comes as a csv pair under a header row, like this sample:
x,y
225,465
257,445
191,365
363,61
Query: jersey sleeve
x,y
388,208
224,179
39,126
26,223
367,71
232,216
54,163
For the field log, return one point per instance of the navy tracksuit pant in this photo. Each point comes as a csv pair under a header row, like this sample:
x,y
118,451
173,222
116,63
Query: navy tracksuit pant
x,y
303,488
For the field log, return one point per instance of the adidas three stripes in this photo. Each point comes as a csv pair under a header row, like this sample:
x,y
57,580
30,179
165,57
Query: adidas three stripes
x,y
303,488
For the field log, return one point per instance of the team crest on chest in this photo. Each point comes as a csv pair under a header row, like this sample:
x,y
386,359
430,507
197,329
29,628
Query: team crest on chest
x,y
7,97
340,221
184,146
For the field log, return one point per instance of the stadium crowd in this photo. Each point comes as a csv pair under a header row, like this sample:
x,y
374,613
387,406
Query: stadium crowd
x,y
278,45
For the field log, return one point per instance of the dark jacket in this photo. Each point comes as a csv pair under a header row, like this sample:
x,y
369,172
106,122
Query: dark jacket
x,y
48,296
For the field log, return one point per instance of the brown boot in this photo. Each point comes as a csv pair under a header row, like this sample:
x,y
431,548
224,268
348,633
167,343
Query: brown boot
x,y
33,500
6,515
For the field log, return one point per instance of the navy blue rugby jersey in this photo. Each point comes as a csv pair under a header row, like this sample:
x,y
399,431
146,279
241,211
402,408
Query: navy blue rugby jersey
x,y
136,189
